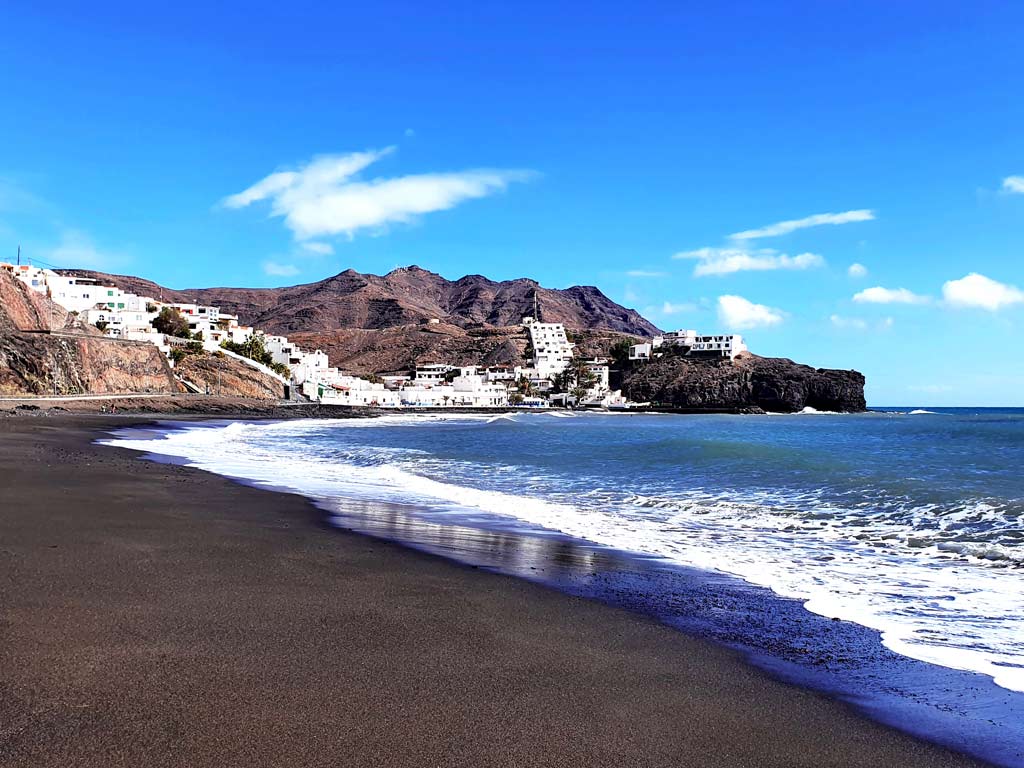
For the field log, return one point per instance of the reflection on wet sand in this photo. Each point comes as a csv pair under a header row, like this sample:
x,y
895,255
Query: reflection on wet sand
x,y
969,711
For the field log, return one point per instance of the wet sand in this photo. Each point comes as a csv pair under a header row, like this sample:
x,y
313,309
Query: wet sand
x,y
158,615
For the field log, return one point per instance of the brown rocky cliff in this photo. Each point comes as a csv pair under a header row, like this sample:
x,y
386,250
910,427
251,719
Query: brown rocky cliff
x,y
751,382
74,358
219,374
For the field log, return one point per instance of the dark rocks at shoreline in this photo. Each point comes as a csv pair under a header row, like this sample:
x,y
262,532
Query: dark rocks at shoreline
x,y
745,385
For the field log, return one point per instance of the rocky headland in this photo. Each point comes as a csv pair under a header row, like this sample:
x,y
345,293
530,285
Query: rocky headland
x,y
749,384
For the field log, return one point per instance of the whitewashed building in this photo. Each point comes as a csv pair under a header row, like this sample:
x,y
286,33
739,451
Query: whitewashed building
x,y
432,374
552,351
723,345
719,345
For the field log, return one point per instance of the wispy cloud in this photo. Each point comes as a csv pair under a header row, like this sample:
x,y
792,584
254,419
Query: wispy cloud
x,y
726,261
326,197
77,250
857,270
859,323
737,313
817,220
274,269
880,295
320,249
981,292
668,308
1014,185
849,322
645,273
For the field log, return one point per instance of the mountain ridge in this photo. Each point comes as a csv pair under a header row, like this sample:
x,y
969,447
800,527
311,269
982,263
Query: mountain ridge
x,y
406,295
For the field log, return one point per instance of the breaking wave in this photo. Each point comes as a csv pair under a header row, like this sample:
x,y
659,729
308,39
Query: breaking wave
x,y
942,579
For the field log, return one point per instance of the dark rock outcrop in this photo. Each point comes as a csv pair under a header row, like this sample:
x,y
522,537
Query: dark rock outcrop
x,y
404,296
748,383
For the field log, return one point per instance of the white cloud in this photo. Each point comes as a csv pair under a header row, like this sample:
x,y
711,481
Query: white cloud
x,y
976,290
1014,185
857,270
848,322
817,220
78,251
320,249
880,295
325,197
859,323
274,269
668,308
645,273
725,261
737,313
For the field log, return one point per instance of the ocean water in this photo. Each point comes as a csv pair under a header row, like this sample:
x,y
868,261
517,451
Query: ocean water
x,y
907,522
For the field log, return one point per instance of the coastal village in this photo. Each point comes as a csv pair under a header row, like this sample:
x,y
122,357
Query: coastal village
x,y
553,374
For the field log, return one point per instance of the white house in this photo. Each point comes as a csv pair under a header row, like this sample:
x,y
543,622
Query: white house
x,y
470,391
432,374
727,345
75,294
721,345
351,390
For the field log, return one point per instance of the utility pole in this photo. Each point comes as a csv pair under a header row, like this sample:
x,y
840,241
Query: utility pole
x,y
19,254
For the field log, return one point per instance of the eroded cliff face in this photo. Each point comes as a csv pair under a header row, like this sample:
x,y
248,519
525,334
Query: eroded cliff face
x,y
749,383
37,364
73,358
219,374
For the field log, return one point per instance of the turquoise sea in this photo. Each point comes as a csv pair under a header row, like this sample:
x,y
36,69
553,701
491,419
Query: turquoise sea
x,y
905,524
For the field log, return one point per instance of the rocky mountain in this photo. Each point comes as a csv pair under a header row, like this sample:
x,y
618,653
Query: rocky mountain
x,y
45,350
400,348
750,383
404,296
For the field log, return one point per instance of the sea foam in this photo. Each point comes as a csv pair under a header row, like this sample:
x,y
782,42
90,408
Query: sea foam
x,y
906,571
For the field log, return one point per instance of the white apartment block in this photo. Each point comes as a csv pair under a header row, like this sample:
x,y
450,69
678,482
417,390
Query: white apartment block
x,y
552,351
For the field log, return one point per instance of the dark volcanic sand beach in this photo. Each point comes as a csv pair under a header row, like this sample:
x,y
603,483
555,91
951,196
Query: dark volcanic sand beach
x,y
158,615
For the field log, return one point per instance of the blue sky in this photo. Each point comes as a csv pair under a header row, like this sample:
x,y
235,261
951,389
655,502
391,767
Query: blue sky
x,y
570,142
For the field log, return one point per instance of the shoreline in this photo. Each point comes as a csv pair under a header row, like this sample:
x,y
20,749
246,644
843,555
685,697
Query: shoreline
x,y
160,552
845,660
